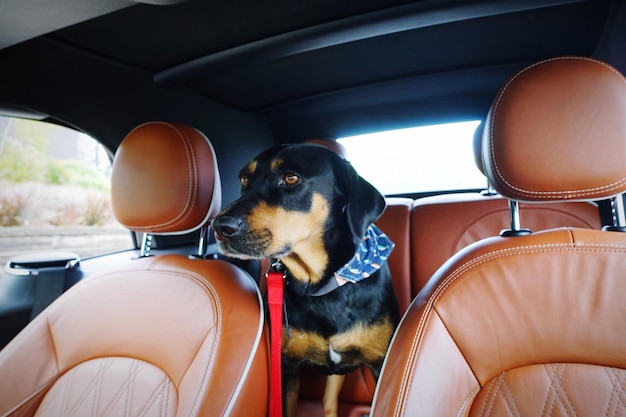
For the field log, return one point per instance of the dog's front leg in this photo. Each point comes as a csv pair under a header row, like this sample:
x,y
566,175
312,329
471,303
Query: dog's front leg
x,y
291,389
331,394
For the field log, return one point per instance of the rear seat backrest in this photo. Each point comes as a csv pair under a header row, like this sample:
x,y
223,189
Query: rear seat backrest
x,y
395,222
442,225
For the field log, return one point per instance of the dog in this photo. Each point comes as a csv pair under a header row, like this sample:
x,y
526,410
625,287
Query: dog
x,y
307,207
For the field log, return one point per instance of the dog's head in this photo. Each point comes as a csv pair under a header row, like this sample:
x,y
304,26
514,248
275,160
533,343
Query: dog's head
x,y
298,203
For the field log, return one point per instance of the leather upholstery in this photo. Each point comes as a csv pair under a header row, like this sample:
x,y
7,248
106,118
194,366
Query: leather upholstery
x,y
165,179
590,129
159,336
527,325
509,322
427,232
154,337
331,144
443,225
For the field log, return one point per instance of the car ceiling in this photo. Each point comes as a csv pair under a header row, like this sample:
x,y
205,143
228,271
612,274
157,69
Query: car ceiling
x,y
323,67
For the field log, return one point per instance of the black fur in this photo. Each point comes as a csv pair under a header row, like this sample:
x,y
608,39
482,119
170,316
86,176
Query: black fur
x,y
350,205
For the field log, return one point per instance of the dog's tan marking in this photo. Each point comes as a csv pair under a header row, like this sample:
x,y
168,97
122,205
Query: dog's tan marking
x,y
362,343
276,163
291,398
372,341
252,166
330,400
302,344
302,232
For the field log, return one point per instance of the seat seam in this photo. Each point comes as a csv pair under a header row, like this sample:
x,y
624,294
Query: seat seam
x,y
570,194
502,253
511,399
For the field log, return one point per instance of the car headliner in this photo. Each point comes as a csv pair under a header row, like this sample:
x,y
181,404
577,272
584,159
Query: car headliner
x,y
306,68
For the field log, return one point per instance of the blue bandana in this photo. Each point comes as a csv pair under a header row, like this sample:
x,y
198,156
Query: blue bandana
x,y
369,256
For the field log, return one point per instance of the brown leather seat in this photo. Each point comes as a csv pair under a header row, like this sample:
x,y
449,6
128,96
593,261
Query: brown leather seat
x,y
444,224
161,335
331,144
529,324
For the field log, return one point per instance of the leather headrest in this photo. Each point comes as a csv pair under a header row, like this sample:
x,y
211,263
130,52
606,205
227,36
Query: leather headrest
x,y
557,131
478,148
165,179
331,144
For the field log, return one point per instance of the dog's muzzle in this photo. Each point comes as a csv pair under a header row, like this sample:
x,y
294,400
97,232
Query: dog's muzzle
x,y
228,227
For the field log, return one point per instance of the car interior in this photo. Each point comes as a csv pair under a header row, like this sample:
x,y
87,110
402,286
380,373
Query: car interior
x,y
510,293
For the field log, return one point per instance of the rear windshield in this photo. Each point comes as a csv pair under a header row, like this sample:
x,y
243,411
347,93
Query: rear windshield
x,y
420,159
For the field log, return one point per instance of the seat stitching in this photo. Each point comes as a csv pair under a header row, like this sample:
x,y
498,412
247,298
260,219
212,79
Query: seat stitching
x,y
501,253
134,371
613,394
490,398
116,398
415,348
550,396
464,268
71,409
208,365
618,390
569,400
161,390
546,194
471,395
563,392
510,399
556,386
192,170
66,393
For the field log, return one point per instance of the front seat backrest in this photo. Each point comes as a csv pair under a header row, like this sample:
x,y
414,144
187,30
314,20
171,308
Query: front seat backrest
x,y
530,324
157,336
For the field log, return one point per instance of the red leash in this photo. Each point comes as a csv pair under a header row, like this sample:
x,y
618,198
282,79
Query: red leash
x,y
275,291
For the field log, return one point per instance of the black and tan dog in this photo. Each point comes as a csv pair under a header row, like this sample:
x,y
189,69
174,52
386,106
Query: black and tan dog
x,y
306,206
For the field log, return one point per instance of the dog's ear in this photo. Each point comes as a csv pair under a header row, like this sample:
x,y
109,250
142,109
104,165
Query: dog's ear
x,y
365,203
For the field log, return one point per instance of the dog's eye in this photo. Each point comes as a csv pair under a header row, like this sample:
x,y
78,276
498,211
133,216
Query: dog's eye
x,y
291,179
244,181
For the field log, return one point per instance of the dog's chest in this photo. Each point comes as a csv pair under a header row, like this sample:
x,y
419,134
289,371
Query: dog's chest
x,y
359,344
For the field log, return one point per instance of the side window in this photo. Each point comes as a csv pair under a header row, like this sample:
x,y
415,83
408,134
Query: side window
x,y
55,192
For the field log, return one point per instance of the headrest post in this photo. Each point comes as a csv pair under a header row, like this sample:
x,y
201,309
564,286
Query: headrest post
x,y
203,243
516,229
489,190
619,216
146,245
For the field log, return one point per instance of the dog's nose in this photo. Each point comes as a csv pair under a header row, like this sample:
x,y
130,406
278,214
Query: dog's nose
x,y
227,227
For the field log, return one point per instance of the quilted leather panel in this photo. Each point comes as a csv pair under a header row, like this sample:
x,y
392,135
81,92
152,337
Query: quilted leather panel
x,y
554,390
116,387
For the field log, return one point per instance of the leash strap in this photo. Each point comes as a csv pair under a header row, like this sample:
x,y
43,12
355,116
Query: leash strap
x,y
275,292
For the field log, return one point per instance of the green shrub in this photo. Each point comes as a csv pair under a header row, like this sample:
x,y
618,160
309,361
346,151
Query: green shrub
x,y
72,172
21,162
